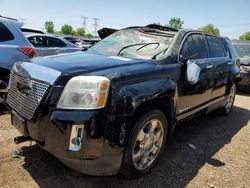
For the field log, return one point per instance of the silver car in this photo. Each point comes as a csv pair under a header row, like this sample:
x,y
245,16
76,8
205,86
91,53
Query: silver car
x,y
50,45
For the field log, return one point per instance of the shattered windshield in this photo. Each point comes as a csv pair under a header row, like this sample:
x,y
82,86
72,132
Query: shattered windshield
x,y
134,43
243,49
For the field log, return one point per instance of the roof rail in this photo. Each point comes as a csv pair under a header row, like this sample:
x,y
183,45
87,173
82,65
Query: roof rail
x,y
8,18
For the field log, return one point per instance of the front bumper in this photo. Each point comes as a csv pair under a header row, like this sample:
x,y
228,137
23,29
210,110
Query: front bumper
x,y
96,156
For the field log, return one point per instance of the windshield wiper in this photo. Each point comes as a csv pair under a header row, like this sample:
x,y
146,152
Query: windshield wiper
x,y
144,44
163,52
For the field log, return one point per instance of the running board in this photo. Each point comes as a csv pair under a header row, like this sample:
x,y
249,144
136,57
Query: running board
x,y
189,113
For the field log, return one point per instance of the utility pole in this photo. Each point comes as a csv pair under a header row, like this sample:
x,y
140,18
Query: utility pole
x,y
96,25
84,22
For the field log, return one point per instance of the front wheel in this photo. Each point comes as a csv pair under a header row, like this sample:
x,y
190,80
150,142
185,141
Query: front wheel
x,y
230,100
145,144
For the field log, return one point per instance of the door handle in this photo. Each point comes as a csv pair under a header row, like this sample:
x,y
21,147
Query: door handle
x,y
230,63
209,66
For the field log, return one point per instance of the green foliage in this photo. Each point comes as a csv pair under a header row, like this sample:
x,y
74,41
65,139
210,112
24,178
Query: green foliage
x,y
245,36
49,26
80,32
67,29
210,28
89,35
175,23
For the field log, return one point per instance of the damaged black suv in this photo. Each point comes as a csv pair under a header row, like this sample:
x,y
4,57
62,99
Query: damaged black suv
x,y
110,109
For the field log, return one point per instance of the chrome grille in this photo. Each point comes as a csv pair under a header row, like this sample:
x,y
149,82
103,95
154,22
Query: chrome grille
x,y
25,95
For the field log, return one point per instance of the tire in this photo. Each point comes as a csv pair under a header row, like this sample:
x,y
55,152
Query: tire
x,y
225,110
145,144
3,85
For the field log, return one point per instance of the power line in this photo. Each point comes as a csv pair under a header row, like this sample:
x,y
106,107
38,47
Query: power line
x,y
84,22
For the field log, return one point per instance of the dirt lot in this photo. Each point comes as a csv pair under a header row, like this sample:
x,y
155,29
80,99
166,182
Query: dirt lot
x,y
221,157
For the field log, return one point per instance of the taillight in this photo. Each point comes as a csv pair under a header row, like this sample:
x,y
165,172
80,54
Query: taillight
x,y
27,50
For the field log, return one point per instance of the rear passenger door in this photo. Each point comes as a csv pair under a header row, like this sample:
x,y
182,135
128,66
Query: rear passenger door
x,y
194,95
219,58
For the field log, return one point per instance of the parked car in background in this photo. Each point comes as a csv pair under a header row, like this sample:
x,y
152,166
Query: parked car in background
x,y
111,109
51,45
243,50
14,46
71,39
82,42
27,30
86,43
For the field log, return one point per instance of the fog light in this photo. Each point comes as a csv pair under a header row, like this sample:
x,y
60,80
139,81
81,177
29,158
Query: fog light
x,y
76,137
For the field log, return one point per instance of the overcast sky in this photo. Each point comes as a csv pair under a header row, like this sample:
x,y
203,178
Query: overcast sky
x,y
230,16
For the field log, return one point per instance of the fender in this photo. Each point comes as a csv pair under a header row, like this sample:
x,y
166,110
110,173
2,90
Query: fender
x,y
132,96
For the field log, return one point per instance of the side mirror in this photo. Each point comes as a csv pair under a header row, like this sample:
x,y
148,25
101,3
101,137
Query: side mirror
x,y
193,72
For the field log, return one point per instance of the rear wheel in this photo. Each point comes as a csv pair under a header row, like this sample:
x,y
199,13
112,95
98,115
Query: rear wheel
x,y
145,144
3,88
230,100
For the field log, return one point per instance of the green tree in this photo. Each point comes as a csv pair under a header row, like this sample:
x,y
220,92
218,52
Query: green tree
x,y
67,29
245,36
80,32
175,23
49,26
210,28
89,35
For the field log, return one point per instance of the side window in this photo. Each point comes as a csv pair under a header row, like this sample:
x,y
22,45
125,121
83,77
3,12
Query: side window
x,y
216,47
37,41
195,47
5,34
54,42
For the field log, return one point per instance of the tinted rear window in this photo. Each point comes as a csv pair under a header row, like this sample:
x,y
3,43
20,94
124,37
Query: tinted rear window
x,y
5,34
216,47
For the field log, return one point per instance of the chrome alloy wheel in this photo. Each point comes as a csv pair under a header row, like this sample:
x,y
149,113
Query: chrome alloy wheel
x,y
230,99
148,144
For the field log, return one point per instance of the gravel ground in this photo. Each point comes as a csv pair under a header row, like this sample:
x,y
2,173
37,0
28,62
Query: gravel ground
x,y
219,158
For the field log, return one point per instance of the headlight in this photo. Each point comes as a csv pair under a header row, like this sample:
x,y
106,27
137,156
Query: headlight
x,y
85,92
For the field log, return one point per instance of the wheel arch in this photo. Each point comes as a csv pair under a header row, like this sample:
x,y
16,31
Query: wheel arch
x,y
164,104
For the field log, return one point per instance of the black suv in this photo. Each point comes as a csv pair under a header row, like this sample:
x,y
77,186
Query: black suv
x,y
111,109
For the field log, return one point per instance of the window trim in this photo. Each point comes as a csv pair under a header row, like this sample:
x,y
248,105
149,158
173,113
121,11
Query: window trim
x,y
184,40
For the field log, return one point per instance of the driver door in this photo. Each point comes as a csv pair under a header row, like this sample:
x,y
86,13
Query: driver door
x,y
195,95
